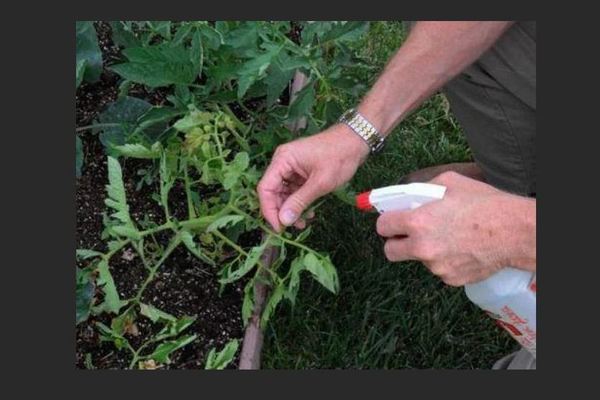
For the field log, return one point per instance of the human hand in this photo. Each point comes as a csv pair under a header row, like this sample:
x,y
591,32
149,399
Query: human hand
x,y
474,231
306,169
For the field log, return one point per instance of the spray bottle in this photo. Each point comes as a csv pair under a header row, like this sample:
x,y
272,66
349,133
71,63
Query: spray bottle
x,y
508,296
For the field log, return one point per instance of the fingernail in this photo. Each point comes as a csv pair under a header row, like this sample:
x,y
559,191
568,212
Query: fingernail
x,y
288,217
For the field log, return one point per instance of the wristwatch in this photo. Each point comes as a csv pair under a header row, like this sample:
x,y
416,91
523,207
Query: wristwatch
x,y
363,128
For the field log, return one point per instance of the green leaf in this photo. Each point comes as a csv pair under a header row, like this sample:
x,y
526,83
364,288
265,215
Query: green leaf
x,y
222,222
86,48
124,112
303,103
78,156
242,39
248,304
314,29
116,192
197,53
162,351
120,323
84,254
254,69
213,38
155,314
127,231
294,283
111,303
220,360
250,262
122,34
138,151
84,294
274,299
79,72
276,80
323,271
346,30
241,161
156,66
154,121
193,119
163,28
188,241
182,34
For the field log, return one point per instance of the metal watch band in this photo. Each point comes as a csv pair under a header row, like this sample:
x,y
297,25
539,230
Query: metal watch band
x,y
363,128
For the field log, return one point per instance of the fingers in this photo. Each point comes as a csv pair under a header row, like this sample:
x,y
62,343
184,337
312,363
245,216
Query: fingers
x,y
299,200
398,249
394,223
270,189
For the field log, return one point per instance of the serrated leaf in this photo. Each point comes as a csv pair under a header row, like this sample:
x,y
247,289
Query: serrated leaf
x,y
253,69
249,263
78,156
188,241
223,358
274,299
137,151
162,351
322,270
112,303
303,103
127,231
84,254
86,48
155,314
116,192
222,222
156,66
294,284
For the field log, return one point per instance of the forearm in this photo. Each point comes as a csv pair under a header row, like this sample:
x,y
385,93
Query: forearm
x,y
433,54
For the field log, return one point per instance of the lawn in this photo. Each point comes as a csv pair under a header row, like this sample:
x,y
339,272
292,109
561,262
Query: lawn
x,y
387,315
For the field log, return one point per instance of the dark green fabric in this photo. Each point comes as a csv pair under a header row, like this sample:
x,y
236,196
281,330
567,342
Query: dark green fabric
x,y
494,100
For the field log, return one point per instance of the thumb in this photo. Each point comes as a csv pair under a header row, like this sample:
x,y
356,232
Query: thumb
x,y
299,201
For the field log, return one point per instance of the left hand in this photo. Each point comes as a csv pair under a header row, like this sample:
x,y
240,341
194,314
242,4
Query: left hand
x,y
474,231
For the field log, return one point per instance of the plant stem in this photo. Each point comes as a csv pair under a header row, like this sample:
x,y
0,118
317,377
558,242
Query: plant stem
x,y
191,212
106,125
172,246
230,243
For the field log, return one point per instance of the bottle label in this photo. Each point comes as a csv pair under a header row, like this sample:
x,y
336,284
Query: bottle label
x,y
518,327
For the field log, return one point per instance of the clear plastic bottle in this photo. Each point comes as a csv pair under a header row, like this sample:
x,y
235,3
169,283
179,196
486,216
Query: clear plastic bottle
x,y
508,296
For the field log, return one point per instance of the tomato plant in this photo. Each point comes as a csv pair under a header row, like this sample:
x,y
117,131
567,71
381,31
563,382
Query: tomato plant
x,y
227,110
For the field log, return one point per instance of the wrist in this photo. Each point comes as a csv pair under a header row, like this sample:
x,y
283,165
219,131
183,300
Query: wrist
x,y
350,141
520,236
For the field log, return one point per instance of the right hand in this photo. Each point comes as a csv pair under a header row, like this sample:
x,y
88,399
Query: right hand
x,y
306,169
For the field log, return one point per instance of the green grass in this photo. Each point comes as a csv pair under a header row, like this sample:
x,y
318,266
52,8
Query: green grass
x,y
387,315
